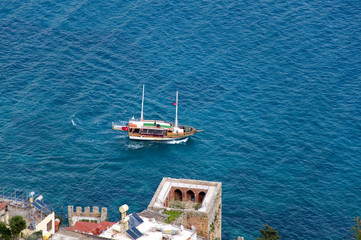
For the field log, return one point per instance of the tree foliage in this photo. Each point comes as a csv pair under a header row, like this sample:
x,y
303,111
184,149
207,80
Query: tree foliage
x,y
5,232
268,234
17,224
356,230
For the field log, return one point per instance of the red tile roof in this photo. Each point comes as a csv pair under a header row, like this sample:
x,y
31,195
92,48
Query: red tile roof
x,y
2,205
89,227
107,224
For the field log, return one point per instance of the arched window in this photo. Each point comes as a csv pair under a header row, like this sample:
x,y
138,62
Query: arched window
x,y
201,197
178,195
190,195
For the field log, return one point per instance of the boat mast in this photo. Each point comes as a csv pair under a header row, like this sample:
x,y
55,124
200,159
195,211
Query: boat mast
x,y
141,115
176,111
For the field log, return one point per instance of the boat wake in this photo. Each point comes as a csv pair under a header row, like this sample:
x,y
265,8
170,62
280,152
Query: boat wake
x,y
177,141
74,124
121,136
134,146
73,119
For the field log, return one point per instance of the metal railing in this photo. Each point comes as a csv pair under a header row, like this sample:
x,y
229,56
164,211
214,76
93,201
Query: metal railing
x,y
17,197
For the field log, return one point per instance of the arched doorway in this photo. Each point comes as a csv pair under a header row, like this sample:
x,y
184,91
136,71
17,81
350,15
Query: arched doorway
x,y
201,197
178,195
190,195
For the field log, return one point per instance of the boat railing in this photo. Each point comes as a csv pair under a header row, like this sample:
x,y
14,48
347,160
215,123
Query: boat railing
x,y
187,128
17,197
120,123
147,121
157,121
155,128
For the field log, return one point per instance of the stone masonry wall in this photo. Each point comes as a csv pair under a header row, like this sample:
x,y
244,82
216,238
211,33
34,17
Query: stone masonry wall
x,y
171,195
198,220
215,217
208,223
87,214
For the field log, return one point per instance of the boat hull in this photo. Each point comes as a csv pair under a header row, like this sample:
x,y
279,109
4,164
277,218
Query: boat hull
x,y
151,130
146,138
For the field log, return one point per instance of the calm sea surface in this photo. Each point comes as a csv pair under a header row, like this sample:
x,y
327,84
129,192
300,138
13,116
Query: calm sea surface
x,y
276,85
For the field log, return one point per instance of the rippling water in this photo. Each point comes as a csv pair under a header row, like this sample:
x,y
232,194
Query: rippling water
x,y
274,84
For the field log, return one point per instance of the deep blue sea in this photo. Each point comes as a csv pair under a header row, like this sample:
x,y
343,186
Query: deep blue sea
x,y
275,85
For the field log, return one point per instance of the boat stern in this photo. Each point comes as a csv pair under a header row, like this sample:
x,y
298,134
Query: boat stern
x,y
119,127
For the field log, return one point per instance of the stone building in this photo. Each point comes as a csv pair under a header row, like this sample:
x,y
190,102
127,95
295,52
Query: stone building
x,y
94,216
199,201
4,212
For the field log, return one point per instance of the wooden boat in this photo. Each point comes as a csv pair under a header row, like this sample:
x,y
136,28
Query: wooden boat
x,y
155,130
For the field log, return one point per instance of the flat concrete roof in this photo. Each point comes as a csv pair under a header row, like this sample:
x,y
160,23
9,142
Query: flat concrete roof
x,y
151,230
26,213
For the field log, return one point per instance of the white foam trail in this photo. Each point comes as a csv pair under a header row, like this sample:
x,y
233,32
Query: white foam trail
x,y
134,146
121,136
74,124
177,141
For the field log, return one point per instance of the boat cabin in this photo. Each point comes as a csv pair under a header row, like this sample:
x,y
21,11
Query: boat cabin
x,y
148,131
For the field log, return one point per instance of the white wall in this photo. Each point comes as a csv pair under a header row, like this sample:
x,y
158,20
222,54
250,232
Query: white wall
x,y
43,224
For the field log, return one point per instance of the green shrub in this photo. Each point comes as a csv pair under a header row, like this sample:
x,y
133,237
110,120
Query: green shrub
x,y
172,215
356,230
269,234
